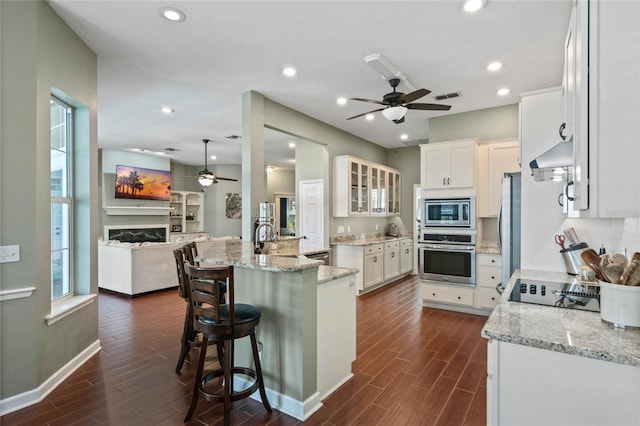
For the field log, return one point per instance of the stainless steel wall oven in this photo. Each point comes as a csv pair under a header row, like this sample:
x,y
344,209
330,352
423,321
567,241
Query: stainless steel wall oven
x,y
449,258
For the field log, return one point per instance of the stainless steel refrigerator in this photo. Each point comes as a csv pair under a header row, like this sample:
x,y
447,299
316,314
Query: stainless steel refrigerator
x,y
509,225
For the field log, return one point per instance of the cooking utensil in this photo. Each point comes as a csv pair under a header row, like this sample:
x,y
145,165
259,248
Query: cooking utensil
x,y
636,256
560,240
620,259
592,259
572,236
572,259
613,272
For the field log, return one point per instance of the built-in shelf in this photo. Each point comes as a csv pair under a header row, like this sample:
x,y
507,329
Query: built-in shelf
x,y
136,211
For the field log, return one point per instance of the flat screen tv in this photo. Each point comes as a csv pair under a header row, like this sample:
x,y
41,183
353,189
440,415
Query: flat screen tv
x,y
142,184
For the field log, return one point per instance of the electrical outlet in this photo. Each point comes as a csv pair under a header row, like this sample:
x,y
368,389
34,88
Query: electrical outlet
x,y
9,254
376,227
340,229
348,228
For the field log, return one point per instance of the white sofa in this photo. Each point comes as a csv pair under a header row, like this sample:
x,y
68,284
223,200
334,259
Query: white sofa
x,y
137,268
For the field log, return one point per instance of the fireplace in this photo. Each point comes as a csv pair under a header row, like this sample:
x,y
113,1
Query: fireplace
x,y
137,233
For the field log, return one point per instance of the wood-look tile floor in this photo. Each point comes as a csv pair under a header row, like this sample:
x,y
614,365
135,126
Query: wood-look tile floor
x,y
414,366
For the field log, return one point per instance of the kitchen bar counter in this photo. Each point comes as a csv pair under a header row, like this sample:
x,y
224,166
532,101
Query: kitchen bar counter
x,y
569,331
308,309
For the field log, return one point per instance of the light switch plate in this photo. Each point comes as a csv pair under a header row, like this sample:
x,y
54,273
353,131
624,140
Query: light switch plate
x,y
9,254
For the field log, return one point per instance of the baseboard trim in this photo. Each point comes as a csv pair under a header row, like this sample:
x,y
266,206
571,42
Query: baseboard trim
x,y
300,410
25,399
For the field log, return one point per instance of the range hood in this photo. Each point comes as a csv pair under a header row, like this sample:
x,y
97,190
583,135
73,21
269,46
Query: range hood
x,y
553,164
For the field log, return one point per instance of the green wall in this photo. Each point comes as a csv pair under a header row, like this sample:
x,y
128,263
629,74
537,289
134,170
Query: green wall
x,y
40,55
485,124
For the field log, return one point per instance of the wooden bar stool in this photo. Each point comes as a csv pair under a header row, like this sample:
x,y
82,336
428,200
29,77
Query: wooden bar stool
x,y
188,339
223,323
191,253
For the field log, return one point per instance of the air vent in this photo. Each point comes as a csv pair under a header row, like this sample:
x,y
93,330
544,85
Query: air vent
x,y
233,137
447,96
171,149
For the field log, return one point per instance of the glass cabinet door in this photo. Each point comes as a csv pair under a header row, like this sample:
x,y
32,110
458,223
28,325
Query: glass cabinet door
x,y
364,189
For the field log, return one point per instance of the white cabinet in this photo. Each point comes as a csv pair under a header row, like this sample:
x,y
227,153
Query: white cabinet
x,y
406,256
448,165
363,188
391,259
447,293
186,212
606,107
488,275
373,266
378,192
377,264
351,186
527,385
393,192
494,160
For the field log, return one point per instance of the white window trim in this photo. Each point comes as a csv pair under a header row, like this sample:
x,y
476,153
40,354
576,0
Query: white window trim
x,y
68,306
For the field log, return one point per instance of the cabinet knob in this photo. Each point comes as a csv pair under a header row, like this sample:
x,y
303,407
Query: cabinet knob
x,y
493,298
458,297
448,181
492,277
444,181
433,294
393,255
493,261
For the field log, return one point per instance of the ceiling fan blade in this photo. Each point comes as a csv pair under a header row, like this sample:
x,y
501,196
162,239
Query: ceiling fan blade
x,y
429,107
370,101
365,113
417,94
223,178
399,121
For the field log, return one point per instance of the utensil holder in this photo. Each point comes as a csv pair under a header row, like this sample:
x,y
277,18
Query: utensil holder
x,y
620,305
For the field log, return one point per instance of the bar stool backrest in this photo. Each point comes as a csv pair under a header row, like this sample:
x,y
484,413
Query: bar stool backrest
x,y
210,316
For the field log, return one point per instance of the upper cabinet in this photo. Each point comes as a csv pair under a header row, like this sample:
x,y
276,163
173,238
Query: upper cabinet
x,y
602,108
448,165
363,188
494,160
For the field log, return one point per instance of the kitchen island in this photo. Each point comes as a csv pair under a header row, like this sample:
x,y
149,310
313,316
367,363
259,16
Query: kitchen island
x,y
308,310
549,365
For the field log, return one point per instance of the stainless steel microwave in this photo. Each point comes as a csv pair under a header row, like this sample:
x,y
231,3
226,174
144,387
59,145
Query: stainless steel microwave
x,y
449,213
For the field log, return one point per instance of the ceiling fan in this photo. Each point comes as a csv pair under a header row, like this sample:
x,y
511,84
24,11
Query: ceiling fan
x,y
205,177
397,103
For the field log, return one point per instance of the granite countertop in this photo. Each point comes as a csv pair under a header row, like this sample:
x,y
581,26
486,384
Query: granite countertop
x,y
570,331
488,249
369,241
240,254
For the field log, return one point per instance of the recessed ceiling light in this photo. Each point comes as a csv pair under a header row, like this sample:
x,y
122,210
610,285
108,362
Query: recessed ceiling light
x,y
341,101
167,110
213,157
471,6
494,66
503,92
289,71
292,144
404,136
369,116
270,169
172,14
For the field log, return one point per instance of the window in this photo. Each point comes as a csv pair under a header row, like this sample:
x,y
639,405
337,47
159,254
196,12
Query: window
x,y
61,201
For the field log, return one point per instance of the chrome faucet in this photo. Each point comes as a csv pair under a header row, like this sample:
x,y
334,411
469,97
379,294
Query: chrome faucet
x,y
270,236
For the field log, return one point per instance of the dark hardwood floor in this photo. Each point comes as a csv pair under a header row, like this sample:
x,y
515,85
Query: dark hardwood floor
x,y
414,366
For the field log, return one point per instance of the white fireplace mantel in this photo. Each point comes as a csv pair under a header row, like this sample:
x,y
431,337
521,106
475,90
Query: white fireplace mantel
x,y
136,211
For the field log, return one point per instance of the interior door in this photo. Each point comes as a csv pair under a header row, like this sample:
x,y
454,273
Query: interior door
x,y
312,213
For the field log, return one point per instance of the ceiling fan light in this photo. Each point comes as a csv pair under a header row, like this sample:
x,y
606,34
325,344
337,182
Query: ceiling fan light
x,y
205,180
394,113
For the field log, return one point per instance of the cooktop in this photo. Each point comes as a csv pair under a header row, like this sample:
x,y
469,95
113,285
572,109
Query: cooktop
x,y
574,295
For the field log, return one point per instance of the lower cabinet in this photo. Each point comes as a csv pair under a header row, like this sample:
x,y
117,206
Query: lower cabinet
x,y
448,293
391,259
377,264
373,266
488,275
527,385
406,256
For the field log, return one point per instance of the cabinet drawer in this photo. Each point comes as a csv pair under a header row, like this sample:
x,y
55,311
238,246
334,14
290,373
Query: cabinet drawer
x,y
390,245
488,276
373,248
486,297
487,259
447,294
407,242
